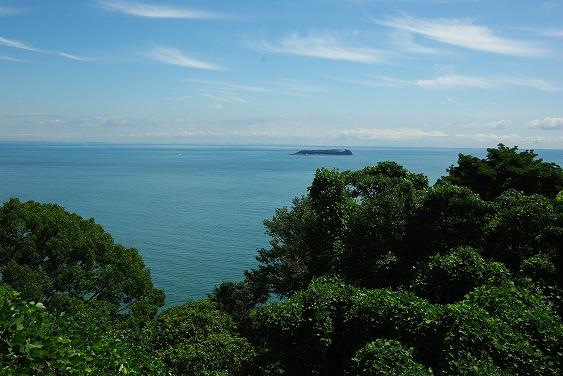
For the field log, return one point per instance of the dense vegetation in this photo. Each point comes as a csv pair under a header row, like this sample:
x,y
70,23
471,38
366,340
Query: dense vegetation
x,y
373,272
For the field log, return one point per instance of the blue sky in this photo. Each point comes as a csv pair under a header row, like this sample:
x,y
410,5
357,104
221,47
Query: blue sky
x,y
318,72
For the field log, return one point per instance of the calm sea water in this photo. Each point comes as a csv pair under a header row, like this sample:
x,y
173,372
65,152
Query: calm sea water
x,y
195,213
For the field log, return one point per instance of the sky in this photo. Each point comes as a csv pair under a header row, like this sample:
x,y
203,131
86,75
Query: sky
x,y
444,73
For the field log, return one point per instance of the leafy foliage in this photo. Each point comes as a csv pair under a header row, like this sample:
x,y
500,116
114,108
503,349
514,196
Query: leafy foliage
x,y
33,341
505,168
68,263
447,278
198,339
502,330
522,226
384,357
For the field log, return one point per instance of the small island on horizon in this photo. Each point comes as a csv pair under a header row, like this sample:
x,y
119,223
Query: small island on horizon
x,y
324,152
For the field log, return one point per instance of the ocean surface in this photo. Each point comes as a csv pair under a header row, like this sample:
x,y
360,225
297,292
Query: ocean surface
x,y
194,212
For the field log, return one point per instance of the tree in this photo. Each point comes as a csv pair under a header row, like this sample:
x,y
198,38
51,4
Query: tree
x,y
352,223
498,330
52,256
449,216
198,339
520,227
384,357
237,299
33,341
505,168
447,278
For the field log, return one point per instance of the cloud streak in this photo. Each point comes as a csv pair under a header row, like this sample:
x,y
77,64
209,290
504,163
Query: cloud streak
x,y
387,133
5,11
460,81
173,56
463,33
13,59
13,43
323,46
547,123
455,81
156,11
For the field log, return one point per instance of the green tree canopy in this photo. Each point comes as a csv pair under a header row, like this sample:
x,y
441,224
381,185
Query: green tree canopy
x,y
374,227
324,330
506,168
198,339
52,256
35,342
385,357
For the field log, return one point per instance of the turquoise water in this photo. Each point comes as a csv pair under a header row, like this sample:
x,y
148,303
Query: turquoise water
x,y
195,213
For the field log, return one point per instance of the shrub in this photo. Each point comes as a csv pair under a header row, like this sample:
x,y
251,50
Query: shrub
x,y
384,357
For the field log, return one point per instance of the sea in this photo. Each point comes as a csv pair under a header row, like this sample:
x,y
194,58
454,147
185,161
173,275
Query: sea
x,y
195,213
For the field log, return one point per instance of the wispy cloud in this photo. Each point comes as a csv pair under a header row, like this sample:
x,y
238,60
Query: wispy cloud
x,y
459,81
13,43
547,123
404,42
494,125
13,59
74,57
297,88
378,81
18,44
545,32
323,46
229,86
387,133
453,81
156,11
173,56
6,11
463,33
494,137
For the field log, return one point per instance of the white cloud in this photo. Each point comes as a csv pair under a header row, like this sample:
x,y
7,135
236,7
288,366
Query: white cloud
x,y
74,57
452,81
499,124
297,88
13,59
463,33
5,11
17,44
547,123
456,81
323,46
231,87
155,11
492,137
378,81
387,133
494,125
13,43
545,32
176,57
404,41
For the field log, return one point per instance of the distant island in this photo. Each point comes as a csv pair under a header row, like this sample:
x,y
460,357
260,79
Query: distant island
x,y
324,152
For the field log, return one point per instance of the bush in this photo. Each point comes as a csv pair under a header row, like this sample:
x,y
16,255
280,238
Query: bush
x,y
447,278
198,339
384,357
449,216
56,257
505,168
521,227
33,341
